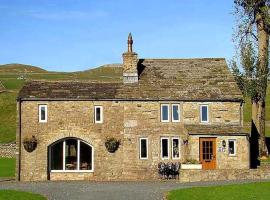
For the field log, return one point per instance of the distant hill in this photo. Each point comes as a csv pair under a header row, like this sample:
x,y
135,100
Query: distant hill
x,y
20,68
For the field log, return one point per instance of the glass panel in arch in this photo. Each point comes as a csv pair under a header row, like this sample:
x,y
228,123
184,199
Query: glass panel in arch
x,y
71,154
57,156
85,156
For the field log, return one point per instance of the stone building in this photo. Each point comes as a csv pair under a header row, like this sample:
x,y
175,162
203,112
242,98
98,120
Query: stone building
x,y
165,110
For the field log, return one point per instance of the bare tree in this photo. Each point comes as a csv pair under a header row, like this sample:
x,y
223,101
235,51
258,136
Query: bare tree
x,y
254,27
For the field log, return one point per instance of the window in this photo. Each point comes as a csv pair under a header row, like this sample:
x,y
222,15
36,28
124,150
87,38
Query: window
x,y
42,113
175,113
204,113
98,114
143,148
232,147
175,148
165,148
71,155
165,113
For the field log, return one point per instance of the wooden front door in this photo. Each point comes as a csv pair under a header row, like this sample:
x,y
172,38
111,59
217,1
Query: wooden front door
x,y
208,153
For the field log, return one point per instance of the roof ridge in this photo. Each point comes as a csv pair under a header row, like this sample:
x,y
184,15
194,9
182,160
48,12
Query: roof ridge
x,y
218,58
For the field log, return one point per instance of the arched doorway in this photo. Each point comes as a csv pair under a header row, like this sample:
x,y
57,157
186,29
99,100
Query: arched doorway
x,y
70,155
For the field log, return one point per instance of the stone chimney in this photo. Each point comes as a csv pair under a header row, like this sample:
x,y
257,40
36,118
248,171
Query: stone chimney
x,y
130,72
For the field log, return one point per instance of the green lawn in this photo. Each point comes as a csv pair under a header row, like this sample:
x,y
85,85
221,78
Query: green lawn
x,y
7,167
251,191
7,117
19,195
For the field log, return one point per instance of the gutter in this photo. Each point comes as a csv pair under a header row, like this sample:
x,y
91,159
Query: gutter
x,y
95,99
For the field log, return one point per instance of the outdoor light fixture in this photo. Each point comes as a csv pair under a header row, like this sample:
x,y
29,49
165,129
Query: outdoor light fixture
x,y
224,143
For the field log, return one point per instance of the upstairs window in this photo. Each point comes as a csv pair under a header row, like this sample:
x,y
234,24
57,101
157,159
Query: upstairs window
x,y
175,113
98,114
232,147
204,113
165,112
143,148
42,113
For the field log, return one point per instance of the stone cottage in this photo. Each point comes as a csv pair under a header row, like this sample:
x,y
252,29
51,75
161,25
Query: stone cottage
x,y
164,110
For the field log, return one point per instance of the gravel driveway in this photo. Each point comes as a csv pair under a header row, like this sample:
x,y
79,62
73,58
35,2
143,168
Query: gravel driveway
x,y
83,190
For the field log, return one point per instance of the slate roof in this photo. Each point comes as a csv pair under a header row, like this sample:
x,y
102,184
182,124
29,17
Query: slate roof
x,y
217,129
159,79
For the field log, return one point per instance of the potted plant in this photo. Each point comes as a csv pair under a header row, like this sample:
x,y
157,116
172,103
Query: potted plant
x,y
191,164
30,143
112,144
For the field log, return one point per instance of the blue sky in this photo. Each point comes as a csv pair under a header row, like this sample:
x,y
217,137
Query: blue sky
x,y
72,35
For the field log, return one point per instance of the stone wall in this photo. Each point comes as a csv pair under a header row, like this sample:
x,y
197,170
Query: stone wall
x,y
8,150
223,159
125,120
225,174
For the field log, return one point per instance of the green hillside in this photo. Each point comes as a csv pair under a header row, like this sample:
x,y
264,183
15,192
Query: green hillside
x,y
13,76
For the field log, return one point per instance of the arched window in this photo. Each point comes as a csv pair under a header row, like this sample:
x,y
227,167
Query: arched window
x,y
71,155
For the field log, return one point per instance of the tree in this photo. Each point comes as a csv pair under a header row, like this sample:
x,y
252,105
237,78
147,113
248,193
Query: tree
x,y
254,27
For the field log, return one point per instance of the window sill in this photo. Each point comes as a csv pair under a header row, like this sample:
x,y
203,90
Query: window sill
x,y
72,171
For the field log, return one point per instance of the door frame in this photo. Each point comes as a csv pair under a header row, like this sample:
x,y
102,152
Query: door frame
x,y
214,164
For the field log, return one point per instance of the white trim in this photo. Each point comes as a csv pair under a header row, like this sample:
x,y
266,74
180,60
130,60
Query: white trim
x,y
39,113
101,115
178,105
234,143
78,154
140,139
161,148
204,105
176,138
161,112
78,157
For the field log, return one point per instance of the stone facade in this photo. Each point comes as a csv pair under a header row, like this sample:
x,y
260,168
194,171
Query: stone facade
x,y
127,121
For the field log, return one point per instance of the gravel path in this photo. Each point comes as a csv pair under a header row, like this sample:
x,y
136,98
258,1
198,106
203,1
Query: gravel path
x,y
83,190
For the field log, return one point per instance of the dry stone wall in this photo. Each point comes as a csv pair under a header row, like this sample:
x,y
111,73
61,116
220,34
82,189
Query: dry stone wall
x,y
8,150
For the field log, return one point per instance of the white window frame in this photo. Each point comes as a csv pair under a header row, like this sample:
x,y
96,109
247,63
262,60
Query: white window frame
x,y
234,143
143,158
178,105
39,113
78,159
101,115
201,106
161,112
179,148
161,148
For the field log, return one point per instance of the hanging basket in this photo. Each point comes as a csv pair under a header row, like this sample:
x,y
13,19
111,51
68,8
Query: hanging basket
x,y
30,144
112,144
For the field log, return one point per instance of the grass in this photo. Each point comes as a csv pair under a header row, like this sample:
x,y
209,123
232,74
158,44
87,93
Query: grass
x,y
7,117
7,167
251,191
19,195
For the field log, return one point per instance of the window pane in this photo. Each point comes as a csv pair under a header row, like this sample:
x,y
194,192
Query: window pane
x,y
165,112
71,154
57,156
204,113
231,147
143,148
164,146
42,113
98,118
176,112
85,156
175,148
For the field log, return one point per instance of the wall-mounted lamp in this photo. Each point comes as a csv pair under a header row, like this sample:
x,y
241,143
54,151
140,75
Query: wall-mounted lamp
x,y
185,142
224,143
